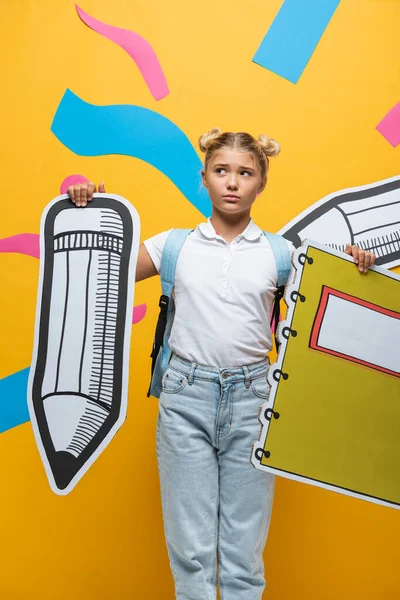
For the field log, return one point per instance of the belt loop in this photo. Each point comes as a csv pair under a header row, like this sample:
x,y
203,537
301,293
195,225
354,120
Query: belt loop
x,y
191,373
247,376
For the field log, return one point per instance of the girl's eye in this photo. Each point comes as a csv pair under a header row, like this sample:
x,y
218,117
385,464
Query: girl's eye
x,y
220,170
247,173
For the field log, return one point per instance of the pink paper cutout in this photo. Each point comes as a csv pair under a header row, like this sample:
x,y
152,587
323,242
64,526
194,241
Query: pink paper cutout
x,y
23,243
137,47
389,127
139,312
71,180
28,244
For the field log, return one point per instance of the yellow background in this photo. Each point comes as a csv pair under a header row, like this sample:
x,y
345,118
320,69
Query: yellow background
x,y
105,539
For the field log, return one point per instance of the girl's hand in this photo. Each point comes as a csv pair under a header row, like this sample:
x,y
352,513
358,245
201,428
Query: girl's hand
x,y
362,258
82,193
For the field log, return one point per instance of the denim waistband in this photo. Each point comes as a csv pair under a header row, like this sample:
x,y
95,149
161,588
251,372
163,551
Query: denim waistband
x,y
230,374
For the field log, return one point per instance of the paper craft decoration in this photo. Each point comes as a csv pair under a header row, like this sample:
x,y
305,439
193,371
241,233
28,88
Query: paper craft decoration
x,y
90,130
78,382
389,127
333,415
293,36
13,405
368,216
139,49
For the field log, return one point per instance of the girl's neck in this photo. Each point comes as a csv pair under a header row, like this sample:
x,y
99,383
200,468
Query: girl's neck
x,y
229,227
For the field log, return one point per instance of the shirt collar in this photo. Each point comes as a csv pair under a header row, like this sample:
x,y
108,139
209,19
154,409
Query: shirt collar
x,y
251,233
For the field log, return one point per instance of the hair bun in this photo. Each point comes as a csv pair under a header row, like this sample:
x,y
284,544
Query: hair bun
x,y
208,138
270,147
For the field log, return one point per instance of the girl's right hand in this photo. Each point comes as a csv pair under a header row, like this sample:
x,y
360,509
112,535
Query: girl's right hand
x,y
82,193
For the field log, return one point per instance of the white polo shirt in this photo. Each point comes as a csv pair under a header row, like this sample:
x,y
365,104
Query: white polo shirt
x,y
223,295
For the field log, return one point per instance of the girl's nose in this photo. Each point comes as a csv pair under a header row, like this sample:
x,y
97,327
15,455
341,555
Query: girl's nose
x,y
232,183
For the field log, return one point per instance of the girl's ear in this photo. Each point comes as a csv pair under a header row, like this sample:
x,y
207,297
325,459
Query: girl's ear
x,y
262,187
203,177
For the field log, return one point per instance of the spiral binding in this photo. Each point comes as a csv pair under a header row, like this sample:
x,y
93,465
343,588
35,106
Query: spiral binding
x,y
269,413
259,453
277,374
289,331
295,294
306,258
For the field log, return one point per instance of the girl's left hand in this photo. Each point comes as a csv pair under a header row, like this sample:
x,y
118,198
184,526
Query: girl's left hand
x,y
362,258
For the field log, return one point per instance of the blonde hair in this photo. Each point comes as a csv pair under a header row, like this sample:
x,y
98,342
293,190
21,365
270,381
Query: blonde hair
x,y
261,148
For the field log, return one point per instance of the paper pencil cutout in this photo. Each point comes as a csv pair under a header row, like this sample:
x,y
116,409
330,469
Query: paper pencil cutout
x,y
368,216
333,415
78,382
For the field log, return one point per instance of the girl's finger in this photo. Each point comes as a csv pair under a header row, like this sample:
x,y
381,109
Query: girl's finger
x,y
361,260
373,259
70,192
77,194
102,189
91,189
355,253
84,195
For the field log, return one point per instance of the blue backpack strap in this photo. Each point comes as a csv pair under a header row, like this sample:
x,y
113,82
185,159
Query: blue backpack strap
x,y
281,252
173,245
161,351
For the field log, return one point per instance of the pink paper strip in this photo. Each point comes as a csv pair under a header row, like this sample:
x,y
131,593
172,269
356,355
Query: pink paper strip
x,y
23,243
139,312
389,127
137,47
71,180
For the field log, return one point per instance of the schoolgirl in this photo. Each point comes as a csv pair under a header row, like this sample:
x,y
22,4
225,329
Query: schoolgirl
x,y
216,506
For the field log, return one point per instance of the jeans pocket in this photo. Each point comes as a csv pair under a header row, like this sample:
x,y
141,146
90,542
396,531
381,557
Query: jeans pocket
x,y
260,387
173,382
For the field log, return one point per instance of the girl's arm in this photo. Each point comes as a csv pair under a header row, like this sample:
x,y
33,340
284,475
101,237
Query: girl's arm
x,y
81,194
145,267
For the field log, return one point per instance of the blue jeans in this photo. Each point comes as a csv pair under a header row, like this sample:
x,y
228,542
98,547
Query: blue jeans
x,y
216,505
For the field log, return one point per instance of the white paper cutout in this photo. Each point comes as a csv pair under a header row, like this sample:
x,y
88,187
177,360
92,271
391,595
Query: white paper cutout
x,y
357,331
78,382
368,216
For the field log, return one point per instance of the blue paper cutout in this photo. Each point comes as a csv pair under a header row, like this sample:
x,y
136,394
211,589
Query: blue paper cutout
x,y
294,35
91,130
13,400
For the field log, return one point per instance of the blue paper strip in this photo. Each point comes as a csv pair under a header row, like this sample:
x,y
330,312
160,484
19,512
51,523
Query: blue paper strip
x,y
13,400
91,130
294,35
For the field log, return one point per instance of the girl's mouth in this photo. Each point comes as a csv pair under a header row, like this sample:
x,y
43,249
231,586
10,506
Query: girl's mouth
x,y
231,198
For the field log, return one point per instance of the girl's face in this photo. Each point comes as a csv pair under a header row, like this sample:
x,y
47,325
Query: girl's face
x,y
233,180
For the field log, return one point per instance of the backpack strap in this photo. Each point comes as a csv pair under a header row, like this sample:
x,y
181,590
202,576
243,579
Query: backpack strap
x,y
173,245
281,252
172,248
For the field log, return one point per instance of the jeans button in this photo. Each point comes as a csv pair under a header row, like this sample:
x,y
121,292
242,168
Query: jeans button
x,y
225,375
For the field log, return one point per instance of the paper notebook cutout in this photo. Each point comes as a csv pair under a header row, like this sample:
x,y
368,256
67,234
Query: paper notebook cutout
x,y
333,415
78,381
